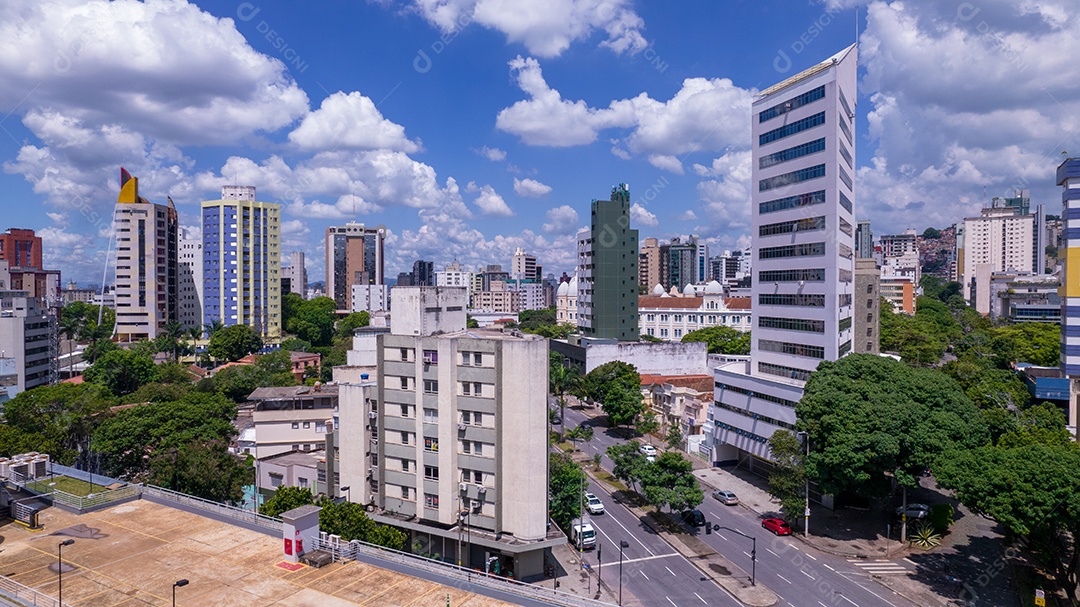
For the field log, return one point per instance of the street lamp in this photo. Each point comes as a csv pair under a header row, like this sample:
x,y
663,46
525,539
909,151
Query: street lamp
x,y
60,570
174,587
622,544
806,514
753,552
348,492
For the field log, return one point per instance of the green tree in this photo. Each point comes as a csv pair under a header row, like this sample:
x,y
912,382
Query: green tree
x,y
204,469
98,348
869,415
171,340
1031,491
84,317
931,234
630,464
580,433
674,437
987,386
174,373
721,340
616,385
915,339
236,382
349,521
122,371
286,498
309,319
353,321
787,481
670,482
14,441
234,342
130,438
275,369
565,484
295,344
647,425
470,322
65,414
1031,342
212,327
622,404
156,392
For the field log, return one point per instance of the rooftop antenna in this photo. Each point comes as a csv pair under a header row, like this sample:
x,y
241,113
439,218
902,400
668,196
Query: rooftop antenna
x,y
856,25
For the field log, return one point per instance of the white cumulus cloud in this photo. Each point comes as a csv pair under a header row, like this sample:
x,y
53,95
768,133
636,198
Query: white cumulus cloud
x,y
530,188
490,203
350,122
561,220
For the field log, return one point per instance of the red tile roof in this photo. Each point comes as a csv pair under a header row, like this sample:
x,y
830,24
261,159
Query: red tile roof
x,y
701,382
688,303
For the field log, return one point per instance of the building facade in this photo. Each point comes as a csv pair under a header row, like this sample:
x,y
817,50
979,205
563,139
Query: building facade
x,y
864,240
28,337
607,270
804,245
523,266
1004,238
446,436
354,255
294,418
147,264
671,318
1068,177
242,261
370,298
21,248
190,281
867,338
296,273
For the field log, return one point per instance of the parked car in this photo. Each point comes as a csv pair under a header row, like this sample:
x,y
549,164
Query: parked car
x,y
726,497
648,450
915,511
593,504
694,518
556,420
777,526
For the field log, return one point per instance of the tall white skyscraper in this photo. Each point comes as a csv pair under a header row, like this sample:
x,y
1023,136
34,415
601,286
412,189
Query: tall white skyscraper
x,y
804,246
296,273
190,285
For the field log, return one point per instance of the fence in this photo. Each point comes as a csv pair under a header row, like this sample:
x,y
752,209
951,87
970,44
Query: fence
x,y
224,510
355,549
25,596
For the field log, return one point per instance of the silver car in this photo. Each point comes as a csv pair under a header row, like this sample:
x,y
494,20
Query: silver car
x,y
725,497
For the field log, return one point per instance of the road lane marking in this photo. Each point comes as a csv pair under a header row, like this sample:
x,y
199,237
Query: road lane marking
x,y
874,593
699,598
616,521
810,556
772,553
649,558
644,576
671,601
822,604
806,574
911,561
827,567
783,578
747,554
722,537
670,571
849,600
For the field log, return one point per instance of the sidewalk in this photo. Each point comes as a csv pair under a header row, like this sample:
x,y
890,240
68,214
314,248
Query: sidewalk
x,y
575,580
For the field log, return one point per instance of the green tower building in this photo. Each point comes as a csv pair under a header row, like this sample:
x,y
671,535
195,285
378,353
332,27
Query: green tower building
x,y
608,271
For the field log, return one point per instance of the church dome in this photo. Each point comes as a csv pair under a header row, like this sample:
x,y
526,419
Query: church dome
x,y
713,287
564,289
658,289
572,289
689,290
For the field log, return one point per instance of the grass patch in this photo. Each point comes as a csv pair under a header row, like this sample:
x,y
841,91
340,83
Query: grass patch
x,y
66,484
610,479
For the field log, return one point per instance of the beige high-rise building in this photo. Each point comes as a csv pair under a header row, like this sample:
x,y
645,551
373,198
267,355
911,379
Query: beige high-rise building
x,y
354,256
147,274
649,263
443,437
867,338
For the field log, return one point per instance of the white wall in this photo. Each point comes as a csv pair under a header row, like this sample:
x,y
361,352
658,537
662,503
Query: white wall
x,y
655,358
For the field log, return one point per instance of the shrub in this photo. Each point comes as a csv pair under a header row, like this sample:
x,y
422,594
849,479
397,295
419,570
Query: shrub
x,y
925,536
941,517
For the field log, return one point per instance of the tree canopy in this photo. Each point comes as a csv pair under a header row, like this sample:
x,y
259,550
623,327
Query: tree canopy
x,y
869,416
345,519
721,340
79,321
616,385
234,342
565,484
311,320
64,414
122,371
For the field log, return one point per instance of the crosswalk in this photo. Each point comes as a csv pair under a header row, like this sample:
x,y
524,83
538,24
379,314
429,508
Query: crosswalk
x,y
879,566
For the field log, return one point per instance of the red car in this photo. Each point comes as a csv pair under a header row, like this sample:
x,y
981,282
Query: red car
x,y
777,526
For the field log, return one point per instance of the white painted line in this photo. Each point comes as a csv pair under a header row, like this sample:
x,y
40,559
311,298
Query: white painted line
x,y
806,574
699,598
811,557
849,600
671,601
670,571
649,558
643,575
747,554
822,604
854,560
911,561
616,521
827,567
873,593
783,578
722,537
772,553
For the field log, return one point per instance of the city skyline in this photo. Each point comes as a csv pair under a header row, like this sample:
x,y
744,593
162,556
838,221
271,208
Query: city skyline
x,y
957,105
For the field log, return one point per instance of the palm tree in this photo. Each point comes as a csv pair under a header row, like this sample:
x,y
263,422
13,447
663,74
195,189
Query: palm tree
x,y
563,380
213,327
173,330
71,325
582,433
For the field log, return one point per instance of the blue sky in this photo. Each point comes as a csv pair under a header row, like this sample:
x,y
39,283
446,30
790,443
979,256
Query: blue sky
x,y
472,127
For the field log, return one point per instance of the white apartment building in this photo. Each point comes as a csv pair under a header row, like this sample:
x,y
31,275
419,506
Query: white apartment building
x,y
670,317
296,272
190,281
370,298
293,418
523,266
803,241
530,294
28,337
1002,240
447,435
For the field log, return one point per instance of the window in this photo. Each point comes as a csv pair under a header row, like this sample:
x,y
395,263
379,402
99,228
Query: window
x,y
466,446
431,416
650,317
404,383
476,389
870,288
478,359
869,331
404,354
307,425
844,299
807,301
787,227
785,179
663,318
320,427
845,323
678,318
466,417
303,483
807,249
478,419
805,275
845,347
844,202
869,318
478,477
466,388
276,479
663,332
478,448
795,102
405,465
431,444
845,227
296,447
431,500
869,346
869,304
431,386
406,492
804,149
404,438
431,473
678,332
431,357
786,347
782,371
793,324
791,202
404,410
790,129
307,447
296,425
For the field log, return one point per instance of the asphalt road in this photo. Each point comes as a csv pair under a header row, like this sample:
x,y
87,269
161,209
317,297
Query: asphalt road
x,y
657,575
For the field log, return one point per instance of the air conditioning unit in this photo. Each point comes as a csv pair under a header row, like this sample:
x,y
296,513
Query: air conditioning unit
x,y
461,426
463,487
481,489
428,359
372,414
370,472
